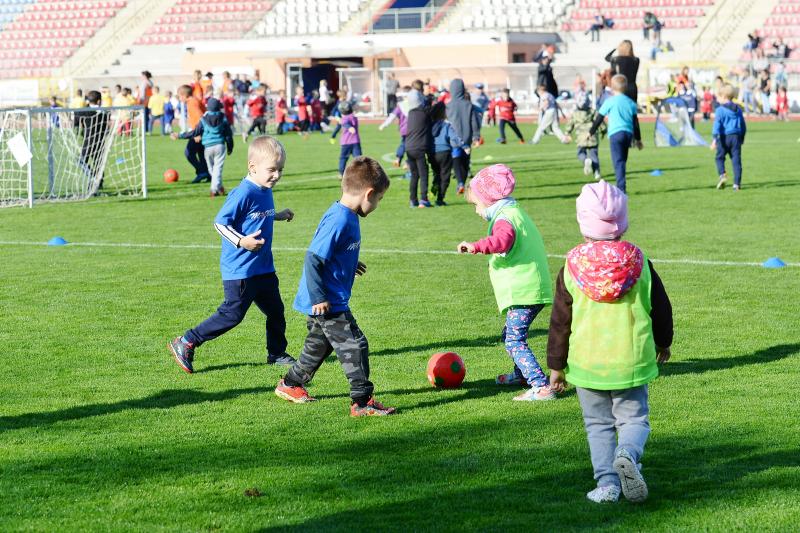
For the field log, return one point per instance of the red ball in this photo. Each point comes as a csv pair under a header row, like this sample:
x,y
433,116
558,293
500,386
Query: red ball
x,y
171,175
446,370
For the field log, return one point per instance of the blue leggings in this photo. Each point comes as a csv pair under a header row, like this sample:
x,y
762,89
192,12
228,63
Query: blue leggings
x,y
346,151
515,336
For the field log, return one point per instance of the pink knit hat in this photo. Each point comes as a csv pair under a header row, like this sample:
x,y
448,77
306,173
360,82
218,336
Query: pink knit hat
x,y
492,184
602,211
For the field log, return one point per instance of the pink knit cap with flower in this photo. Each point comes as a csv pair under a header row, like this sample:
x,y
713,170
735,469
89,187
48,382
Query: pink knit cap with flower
x,y
492,184
602,211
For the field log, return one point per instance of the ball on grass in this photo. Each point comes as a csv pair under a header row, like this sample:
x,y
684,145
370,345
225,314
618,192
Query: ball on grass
x,y
171,175
446,370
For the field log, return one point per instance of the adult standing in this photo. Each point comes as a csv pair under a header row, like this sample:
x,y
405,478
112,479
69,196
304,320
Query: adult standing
x,y
546,77
145,92
390,87
627,64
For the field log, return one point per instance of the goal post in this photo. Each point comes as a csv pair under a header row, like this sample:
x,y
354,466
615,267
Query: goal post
x,y
57,154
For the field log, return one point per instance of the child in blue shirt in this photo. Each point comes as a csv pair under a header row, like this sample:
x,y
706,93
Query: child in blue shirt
x,y
169,113
728,131
446,146
248,273
330,268
623,126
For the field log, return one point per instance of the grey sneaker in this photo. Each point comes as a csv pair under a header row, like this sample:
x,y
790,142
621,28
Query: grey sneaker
x,y
587,167
284,360
605,494
723,179
183,353
633,485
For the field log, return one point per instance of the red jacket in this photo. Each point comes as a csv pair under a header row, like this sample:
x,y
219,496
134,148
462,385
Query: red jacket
x,y
257,105
708,101
505,109
227,105
783,103
280,110
302,111
316,111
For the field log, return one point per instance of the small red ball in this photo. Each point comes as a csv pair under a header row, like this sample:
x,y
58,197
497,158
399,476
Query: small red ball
x,y
446,370
171,175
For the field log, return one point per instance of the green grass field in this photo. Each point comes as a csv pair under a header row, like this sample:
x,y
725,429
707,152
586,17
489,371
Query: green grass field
x,y
100,430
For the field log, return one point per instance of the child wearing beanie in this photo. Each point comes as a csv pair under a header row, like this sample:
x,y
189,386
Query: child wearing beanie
x,y
518,272
610,326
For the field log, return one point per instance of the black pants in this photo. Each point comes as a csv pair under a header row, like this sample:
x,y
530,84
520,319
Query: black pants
x,y
239,295
260,123
442,165
511,124
391,103
419,175
335,332
461,169
194,153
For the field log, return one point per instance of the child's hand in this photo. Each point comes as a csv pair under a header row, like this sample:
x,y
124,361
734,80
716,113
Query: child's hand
x,y
557,380
639,145
286,214
662,355
713,145
467,150
351,129
466,248
361,269
198,139
252,242
173,136
380,128
320,308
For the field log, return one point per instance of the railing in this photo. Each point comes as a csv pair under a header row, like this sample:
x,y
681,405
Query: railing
x,y
407,19
712,35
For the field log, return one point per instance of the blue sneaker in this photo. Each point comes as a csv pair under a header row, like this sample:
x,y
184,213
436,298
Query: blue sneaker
x,y
424,203
500,141
183,352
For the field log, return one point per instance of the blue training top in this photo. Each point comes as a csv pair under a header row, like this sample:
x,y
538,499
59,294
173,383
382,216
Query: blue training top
x,y
247,209
330,265
620,110
729,120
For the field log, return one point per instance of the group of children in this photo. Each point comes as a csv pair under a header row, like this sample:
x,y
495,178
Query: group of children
x,y
611,319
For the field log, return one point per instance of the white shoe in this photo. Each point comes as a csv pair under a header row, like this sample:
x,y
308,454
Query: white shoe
x,y
722,180
633,485
587,167
597,175
535,394
605,494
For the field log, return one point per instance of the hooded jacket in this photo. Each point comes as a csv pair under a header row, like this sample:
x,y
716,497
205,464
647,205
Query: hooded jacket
x,y
729,120
461,115
213,128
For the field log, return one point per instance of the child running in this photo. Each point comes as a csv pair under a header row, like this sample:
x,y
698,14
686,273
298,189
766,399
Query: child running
x,y
548,117
400,112
623,126
581,122
729,130
518,272
331,266
504,109
248,272
350,141
610,326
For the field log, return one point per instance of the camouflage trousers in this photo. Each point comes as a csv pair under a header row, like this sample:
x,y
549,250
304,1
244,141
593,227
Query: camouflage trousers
x,y
335,332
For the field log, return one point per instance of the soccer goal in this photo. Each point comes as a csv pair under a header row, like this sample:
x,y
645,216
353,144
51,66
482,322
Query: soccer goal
x,y
53,154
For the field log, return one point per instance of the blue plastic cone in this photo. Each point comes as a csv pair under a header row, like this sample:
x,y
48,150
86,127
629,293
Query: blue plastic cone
x,y
773,262
656,172
57,241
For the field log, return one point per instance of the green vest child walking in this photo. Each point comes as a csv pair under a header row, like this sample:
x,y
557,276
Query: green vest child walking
x,y
518,271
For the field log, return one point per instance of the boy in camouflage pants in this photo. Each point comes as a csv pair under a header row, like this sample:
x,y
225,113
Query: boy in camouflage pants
x,y
581,122
331,266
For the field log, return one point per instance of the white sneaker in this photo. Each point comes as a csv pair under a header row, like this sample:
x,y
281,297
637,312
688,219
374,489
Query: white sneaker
x,y
597,175
587,167
535,394
633,485
512,378
722,180
605,494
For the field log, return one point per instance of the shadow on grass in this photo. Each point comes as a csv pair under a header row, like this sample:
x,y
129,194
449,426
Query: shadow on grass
x,y
227,366
699,366
451,345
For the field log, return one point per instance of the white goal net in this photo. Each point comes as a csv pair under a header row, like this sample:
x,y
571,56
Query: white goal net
x,y
50,154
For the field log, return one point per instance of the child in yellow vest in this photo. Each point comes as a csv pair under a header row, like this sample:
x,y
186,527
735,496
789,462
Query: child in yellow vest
x,y
518,272
610,326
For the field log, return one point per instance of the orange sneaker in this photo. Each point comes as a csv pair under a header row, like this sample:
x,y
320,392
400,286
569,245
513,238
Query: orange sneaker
x,y
373,408
293,394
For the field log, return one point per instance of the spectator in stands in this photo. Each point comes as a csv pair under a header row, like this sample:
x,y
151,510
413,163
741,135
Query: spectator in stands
x,y
155,107
194,153
466,127
648,24
95,130
753,42
545,76
77,101
627,64
143,98
598,24
504,110
765,88
257,104
390,87
780,78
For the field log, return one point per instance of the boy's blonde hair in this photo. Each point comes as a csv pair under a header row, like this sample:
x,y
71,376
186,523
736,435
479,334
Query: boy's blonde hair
x,y
619,83
265,147
727,91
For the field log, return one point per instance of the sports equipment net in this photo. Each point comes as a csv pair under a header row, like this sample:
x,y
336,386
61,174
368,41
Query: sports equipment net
x,y
51,154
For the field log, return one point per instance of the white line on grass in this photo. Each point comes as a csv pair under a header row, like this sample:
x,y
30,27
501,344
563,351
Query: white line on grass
x,y
387,251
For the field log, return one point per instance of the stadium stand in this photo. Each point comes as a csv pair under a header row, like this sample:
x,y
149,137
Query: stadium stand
x,y
39,36
307,17
516,15
628,14
783,23
218,19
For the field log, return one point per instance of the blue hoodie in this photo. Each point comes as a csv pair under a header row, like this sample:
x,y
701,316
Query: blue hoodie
x,y
729,120
444,137
213,127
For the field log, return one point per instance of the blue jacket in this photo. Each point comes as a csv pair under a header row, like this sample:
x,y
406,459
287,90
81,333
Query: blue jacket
x,y
444,137
213,129
729,120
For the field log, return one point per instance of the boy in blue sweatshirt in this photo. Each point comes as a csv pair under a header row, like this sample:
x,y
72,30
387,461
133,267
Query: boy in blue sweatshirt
x,y
623,126
728,131
446,146
248,273
215,134
330,268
